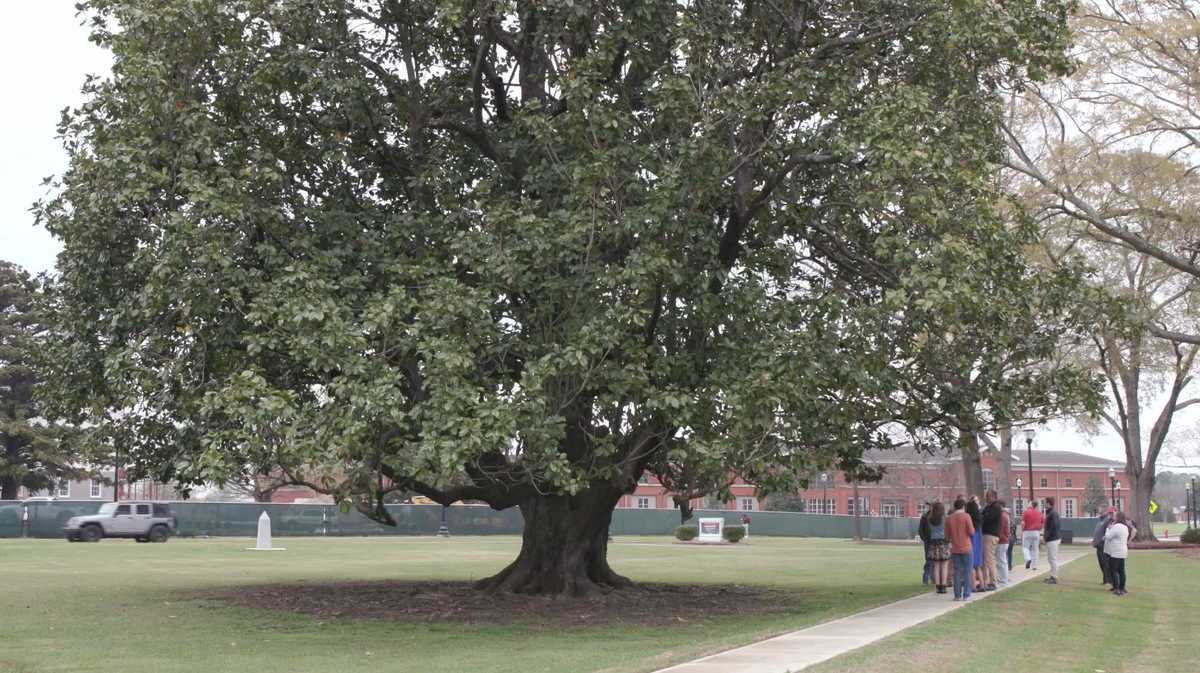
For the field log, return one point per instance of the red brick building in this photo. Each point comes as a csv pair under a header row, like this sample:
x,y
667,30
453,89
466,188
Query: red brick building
x,y
913,479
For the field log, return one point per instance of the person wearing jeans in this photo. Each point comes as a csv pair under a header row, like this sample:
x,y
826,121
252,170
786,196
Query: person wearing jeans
x,y
1031,530
1052,533
959,529
1116,545
1102,525
924,532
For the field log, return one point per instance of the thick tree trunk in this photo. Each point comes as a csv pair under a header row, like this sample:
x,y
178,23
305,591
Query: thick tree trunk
x,y
968,446
1138,508
8,488
564,548
1004,481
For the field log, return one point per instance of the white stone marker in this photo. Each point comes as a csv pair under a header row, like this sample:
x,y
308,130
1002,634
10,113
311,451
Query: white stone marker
x,y
264,535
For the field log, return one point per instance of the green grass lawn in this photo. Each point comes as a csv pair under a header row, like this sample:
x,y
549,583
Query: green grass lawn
x,y
122,606
1077,626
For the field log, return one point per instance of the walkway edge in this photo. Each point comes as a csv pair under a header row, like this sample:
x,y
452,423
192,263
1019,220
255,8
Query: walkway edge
x,y
744,659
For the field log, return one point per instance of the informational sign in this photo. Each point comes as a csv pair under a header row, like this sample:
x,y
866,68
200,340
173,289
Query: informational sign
x,y
1153,507
710,529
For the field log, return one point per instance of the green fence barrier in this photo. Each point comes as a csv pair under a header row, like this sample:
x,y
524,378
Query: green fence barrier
x,y
241,520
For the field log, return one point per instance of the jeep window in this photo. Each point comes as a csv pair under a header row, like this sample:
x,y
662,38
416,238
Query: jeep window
x,y
107,508
161,510
143,509
122,509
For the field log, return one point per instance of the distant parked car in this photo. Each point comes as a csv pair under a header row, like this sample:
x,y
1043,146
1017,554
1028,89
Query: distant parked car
x,y
310,521
142,521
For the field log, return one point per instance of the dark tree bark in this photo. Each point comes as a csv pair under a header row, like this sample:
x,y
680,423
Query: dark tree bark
x,y
968,446
8,488
564,548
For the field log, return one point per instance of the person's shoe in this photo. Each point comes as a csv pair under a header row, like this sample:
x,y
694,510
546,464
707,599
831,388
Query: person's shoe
x,y
1027,564
991,587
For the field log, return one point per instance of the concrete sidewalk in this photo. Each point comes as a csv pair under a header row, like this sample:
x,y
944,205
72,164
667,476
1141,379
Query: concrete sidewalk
x,y
798,650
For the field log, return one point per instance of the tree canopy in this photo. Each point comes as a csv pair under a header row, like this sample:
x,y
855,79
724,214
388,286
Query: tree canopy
x,y
34,455
521,252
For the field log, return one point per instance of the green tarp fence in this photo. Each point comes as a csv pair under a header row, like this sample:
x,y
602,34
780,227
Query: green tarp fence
x,y
241,519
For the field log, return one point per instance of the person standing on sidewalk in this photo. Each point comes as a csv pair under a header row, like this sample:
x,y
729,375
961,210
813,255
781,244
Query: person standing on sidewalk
x,y
924,532
991,517
1031,528
1052,534
1106,520
1012,534
939,546
1003,550
959,530
976,542
1116,545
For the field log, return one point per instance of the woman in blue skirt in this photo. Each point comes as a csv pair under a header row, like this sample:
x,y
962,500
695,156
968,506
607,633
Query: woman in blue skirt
x,y
976,543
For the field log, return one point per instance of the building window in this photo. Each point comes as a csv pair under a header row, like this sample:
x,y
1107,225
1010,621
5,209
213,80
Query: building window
x,y
747,504
1069,507
64,489
1018,506
642,502
1070,483
1120,504
892,509
862,506
1045,482
818,506
922,507
94,489
989,480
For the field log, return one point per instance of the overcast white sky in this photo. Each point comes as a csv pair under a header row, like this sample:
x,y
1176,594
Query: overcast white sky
x,y
46,56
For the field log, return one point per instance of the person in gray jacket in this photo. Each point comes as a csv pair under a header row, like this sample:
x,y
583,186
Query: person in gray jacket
x,y
1102,525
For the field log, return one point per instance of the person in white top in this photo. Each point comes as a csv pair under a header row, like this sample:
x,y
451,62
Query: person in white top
x,y
1116,545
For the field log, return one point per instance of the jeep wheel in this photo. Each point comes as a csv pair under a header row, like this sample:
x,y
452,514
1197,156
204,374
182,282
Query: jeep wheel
x,y
141,539
91,533
158,533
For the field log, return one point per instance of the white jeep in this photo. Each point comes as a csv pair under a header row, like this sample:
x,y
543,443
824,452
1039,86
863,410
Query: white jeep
x,y
142,521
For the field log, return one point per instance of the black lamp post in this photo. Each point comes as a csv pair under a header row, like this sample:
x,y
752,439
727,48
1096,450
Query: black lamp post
x,y
1112,487
1029,433
1188,503
824,501
444,530
1195,499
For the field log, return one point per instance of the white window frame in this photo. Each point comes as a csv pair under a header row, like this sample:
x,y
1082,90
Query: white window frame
x,y
642,502
1069,509
989,480
747,504
813,506
63,489
95,489
863,503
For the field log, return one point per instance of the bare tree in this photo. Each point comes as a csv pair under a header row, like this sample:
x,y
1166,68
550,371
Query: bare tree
x,y
1108,159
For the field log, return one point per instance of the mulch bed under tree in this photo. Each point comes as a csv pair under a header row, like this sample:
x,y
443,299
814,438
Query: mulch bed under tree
x,y
408,601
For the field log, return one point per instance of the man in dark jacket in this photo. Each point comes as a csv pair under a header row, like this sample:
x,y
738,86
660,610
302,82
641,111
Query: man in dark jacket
x,y
1052,535
1098,541
924,531
990,517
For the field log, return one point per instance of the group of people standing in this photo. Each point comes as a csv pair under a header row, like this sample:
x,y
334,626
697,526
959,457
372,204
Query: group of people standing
x,y
978,543
1111,540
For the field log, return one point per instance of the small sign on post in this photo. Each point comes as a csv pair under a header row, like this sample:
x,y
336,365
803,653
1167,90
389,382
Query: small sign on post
x,y
710,529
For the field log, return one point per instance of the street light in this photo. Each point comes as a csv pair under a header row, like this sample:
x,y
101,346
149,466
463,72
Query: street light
x,y
1029,433
1112,487
1189,504
824,502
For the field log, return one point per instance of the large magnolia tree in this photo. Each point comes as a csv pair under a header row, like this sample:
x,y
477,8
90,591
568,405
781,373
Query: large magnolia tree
x,y
521,252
